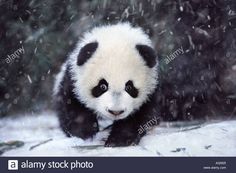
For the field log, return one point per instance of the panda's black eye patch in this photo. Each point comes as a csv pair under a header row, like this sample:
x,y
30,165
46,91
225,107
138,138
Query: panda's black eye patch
x,y
101,88
130,89
86,52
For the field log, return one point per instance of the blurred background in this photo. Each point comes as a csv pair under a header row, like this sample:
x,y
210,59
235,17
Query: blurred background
x,y
201,82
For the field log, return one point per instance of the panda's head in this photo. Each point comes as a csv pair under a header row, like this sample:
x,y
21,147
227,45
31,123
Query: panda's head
x,y
114,70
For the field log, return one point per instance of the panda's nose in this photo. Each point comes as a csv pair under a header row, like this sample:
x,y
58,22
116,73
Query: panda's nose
x,y
116,113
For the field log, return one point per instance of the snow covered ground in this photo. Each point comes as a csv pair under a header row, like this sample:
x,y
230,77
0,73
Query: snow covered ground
x,y
216,138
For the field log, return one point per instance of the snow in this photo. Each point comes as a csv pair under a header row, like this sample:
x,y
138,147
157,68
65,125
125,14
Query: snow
x,y
214,138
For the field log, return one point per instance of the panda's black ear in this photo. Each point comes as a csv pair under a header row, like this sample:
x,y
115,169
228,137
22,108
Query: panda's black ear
x,y
148,54
86,52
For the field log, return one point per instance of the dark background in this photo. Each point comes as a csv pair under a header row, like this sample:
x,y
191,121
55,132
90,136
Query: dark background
x,y
199,83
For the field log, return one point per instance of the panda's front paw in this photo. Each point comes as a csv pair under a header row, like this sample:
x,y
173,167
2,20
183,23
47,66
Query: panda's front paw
x,y
121,140
83,131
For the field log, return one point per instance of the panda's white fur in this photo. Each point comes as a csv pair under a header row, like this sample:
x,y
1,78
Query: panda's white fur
x,y
120,58
116,60
59,78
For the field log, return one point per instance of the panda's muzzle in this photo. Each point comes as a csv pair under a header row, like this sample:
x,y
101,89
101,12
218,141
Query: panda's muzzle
x,y
116,113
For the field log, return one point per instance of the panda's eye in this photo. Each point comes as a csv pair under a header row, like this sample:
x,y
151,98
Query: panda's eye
x,y
130,89
103,87
100,89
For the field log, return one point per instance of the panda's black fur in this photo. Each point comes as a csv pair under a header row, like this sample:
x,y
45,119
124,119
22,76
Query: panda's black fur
x,y
124,132
69,108
76,119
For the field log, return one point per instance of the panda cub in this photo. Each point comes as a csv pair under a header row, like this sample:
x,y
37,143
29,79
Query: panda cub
x,y
110,76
